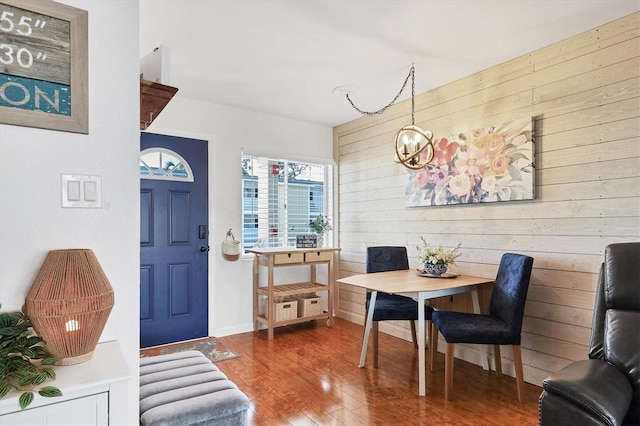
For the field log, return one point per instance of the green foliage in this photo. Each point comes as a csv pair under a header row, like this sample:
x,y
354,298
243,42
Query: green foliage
x,y
25,399
24,362
50,391
320,224
4,389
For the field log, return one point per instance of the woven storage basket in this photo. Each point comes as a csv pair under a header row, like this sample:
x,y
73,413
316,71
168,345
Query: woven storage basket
x,y
286,309
309,304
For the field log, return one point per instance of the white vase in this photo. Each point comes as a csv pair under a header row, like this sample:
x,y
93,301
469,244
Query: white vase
x,y
320,240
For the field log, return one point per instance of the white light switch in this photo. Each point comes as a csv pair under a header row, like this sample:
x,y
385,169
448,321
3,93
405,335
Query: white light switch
x,y
73,190
81,191
90,191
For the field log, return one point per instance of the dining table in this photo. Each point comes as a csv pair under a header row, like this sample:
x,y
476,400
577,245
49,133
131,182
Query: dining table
x,y
422,287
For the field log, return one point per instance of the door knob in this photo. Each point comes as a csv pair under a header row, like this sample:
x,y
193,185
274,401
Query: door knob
x,y
204,248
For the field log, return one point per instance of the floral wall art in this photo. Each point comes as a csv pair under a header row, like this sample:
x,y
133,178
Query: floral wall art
x,y
491,164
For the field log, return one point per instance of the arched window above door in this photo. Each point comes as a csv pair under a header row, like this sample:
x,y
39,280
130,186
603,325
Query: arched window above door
x,y
164,164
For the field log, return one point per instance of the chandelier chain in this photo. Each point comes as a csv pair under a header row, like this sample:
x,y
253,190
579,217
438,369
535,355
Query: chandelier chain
x,y
383,109
413,95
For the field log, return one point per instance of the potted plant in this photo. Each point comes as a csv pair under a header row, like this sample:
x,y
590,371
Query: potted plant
x,y
436,260
320,225
24,362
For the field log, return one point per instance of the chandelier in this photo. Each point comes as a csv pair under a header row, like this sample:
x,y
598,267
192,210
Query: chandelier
x,y
413,146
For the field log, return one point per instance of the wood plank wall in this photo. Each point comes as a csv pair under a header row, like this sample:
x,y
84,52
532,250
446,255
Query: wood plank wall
x,y
583,93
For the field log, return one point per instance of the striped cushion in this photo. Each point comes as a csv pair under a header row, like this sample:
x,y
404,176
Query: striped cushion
x,y
186,388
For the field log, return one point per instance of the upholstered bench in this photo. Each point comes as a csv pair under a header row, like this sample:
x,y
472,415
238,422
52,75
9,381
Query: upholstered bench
x,y
186,388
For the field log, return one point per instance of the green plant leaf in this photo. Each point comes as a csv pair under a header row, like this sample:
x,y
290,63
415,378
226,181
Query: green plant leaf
x,y
39,351
49,360
23,358
39,379
4,389
26,399
5,331
9,318
20,374
50,391
9,331
20,364
50,372
33,340
28,352
25,381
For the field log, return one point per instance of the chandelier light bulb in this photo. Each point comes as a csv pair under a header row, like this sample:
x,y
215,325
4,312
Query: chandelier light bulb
x,y
411,143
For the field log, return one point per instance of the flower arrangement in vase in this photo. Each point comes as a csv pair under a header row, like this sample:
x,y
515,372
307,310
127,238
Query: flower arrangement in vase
x,y
436,260
320,225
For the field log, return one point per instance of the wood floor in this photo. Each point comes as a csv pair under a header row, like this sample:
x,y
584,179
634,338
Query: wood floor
x,y
309,375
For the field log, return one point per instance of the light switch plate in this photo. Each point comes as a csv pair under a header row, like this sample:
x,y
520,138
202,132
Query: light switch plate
x,y
81,191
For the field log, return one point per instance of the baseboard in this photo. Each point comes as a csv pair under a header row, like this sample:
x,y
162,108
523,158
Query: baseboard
x,y
228,331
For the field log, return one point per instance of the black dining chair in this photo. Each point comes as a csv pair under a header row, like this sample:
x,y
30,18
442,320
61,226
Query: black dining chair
x,y
502,326
392,306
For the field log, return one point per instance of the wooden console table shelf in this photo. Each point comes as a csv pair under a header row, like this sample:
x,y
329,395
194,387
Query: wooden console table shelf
x,y
272,258
292,289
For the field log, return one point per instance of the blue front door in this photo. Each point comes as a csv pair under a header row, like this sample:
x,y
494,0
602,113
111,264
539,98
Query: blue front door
x,y
174,247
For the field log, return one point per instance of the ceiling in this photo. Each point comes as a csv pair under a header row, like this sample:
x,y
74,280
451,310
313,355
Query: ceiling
x,y
286,57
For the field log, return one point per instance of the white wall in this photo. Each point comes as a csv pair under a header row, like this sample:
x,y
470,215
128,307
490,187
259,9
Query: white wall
x,y
229,131
32,221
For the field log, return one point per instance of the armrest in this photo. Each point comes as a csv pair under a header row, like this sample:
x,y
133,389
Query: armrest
x,y
593,386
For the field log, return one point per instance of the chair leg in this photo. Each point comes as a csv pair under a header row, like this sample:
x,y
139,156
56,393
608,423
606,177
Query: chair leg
x,y
433,347
497,359
374,332
413,334
517,360
448,371
429,339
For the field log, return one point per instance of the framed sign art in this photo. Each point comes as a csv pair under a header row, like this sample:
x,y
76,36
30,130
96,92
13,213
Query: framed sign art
x,y
491,164
43,65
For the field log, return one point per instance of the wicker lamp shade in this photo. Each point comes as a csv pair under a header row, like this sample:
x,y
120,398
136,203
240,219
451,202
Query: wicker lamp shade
x,y
69,303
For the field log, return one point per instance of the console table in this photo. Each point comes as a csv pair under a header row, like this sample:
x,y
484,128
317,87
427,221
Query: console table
x,y
93,393
272,258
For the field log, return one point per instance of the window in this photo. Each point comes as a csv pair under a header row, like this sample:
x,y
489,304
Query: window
x,y
164,164
280,197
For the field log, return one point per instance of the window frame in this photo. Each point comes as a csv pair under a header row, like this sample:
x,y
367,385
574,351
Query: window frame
x,y
284,235
168,175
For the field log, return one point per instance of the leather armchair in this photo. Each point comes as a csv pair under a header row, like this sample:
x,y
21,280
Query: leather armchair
x,y
604,389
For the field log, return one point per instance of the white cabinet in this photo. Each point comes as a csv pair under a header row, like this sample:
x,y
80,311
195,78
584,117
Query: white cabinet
x,y
90,410
93,393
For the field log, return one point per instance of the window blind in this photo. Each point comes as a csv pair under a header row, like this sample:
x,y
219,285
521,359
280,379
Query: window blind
x,y
280,198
